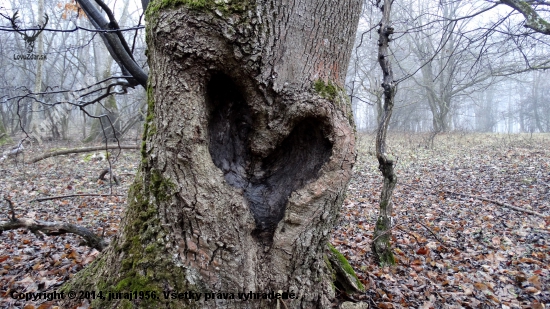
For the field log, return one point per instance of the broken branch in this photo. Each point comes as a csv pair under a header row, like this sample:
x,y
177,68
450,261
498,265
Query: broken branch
x,y
497,203
486,200
55,228
41,199
80,150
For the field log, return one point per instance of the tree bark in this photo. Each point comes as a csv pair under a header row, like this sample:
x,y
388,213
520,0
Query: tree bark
x,y
35,119
533,20
247,152
381,244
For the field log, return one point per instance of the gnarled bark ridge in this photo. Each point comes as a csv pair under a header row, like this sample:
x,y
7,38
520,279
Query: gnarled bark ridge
x,y
247,153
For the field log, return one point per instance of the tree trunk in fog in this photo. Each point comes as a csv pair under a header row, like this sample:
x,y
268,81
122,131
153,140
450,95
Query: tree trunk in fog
x,y
107,127
36,106
110,122
247,152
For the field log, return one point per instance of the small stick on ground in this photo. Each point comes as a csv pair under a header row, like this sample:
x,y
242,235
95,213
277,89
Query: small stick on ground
x,y
407,232
497,203
388,231
11,207
41,199
486,200
432,232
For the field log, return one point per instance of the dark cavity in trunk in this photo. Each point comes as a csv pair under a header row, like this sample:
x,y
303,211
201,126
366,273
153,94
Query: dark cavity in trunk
x,y
267,182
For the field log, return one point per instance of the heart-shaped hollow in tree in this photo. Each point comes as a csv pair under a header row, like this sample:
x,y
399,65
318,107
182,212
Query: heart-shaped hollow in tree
x,y
267,182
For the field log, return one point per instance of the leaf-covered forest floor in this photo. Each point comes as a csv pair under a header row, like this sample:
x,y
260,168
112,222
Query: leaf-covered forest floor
x,y
31,264
455,247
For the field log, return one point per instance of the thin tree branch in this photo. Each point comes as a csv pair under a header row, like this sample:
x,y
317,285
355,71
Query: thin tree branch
x,y
497,203
80,150
11,208
117,48
41,199
432,232
533,20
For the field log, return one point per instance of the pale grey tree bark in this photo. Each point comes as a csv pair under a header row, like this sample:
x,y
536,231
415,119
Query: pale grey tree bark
x,y
34,119
247,152
528,9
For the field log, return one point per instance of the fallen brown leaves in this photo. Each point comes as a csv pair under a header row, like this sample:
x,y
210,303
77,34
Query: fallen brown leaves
x,y
29,263
452,251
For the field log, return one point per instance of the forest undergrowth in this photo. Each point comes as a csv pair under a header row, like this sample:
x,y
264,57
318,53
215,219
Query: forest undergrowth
x,y
457,243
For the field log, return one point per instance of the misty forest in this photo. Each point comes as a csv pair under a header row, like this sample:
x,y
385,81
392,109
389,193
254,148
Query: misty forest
x,y
275,154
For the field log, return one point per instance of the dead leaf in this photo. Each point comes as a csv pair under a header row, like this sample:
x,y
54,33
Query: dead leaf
x,y
480,286
531,290
385,305
422,251
537,305
535,280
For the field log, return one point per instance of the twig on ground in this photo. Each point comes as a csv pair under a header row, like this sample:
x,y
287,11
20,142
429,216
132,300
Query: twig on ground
x,y
80,150
486,200
407,232
432,232
386,232
55,228
11,207
497,203
41,199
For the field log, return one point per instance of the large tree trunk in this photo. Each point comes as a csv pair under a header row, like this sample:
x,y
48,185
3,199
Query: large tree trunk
x,y
248,149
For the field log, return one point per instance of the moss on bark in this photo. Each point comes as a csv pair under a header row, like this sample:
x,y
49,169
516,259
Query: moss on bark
x,y
343,274
328,90
141,261
222,6
381,245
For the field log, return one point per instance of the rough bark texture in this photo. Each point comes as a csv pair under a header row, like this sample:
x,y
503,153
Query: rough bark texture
x,y
247,152
532,18
381,245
